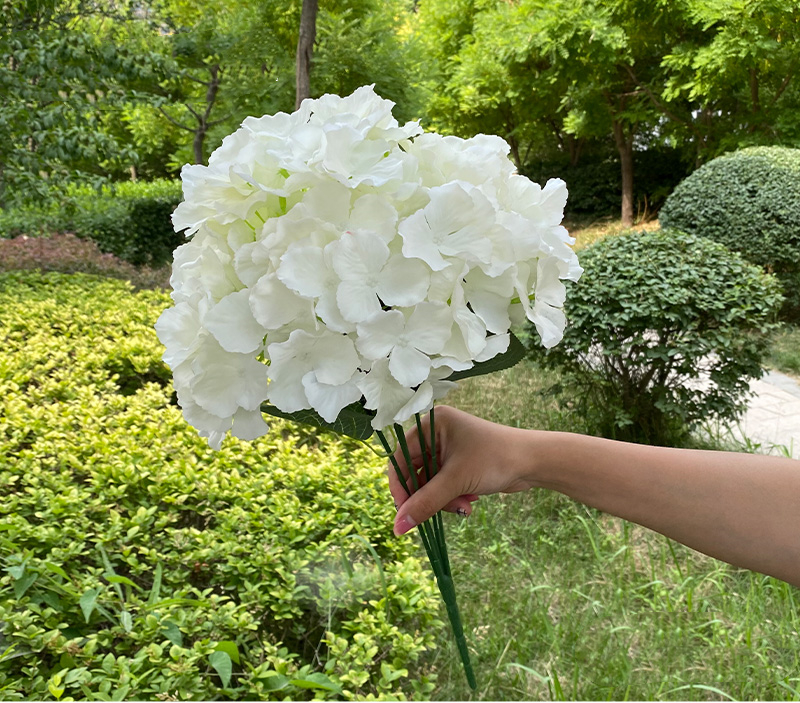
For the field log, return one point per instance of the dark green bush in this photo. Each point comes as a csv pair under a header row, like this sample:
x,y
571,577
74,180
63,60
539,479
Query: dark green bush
x,y
137,564
665,330
595,184
130,220
748,200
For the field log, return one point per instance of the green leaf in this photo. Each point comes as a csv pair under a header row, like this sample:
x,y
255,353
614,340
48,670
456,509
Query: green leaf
x,y
122,579
88,602
274,682
316,680
16,572
223,666
156,589
126,620
23,584
513,355
230,648
56,569
353,421
172,632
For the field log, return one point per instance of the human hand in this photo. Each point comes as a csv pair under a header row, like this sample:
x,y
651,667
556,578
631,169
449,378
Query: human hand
x,y
475,457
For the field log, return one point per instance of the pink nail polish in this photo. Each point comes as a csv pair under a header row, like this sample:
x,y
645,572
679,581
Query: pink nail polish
x,y
403,525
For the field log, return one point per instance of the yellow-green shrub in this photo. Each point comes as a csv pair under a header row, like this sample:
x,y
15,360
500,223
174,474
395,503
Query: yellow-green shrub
x,y
137,563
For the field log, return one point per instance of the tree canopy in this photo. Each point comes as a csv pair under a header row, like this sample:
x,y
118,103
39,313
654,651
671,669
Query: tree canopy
x,y
109,89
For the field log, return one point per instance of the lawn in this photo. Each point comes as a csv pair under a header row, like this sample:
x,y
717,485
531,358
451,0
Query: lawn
x,y
562,602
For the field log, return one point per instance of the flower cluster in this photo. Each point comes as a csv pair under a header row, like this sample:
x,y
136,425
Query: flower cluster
x,y
337,257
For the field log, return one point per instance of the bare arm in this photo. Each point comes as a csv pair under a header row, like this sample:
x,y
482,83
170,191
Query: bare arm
x,y
741,508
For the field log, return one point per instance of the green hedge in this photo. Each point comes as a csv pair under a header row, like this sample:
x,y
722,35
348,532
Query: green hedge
x,y
136,563
665,331
130,220
748,200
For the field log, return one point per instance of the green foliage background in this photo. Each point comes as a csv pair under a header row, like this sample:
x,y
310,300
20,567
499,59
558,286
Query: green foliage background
x,y
134,559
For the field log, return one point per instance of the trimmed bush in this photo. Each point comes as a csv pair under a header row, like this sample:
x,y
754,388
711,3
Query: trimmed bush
x,y
130,220
137,564
748,200
665,330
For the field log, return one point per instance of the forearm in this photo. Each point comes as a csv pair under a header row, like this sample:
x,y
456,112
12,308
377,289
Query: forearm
x,y
743,509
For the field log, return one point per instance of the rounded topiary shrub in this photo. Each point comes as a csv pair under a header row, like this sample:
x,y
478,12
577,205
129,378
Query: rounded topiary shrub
x,y
665,330
748,200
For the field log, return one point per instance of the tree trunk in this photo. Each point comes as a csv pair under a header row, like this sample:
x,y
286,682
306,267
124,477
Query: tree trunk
x,y
305,47
202,120
624,144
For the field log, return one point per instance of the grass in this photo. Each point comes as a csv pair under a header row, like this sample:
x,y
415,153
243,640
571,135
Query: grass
x,y
562,602
588,231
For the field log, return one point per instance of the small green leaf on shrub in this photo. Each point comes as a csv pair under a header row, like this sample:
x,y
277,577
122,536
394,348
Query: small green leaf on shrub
x,y
223,666
121,693
126,620
16,572
23,584
172,632
274,681
316,680
230,649
88,602
56,569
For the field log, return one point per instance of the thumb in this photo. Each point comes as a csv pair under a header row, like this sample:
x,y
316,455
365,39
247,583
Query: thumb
x,y
424,503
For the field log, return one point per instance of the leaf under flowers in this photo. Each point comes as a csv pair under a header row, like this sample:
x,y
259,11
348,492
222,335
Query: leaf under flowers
x,y
353,420
510,357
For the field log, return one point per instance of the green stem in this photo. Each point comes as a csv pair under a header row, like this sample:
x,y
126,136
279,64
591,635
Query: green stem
x,y
422,530
444,577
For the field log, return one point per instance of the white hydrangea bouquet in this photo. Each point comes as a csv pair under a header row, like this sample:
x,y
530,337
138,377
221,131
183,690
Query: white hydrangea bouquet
x,y
345,271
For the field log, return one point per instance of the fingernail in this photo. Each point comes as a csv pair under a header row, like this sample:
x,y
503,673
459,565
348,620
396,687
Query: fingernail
x,y
462,512
403,525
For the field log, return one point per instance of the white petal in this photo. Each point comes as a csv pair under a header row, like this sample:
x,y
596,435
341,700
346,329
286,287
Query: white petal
x,y
224,381
550,323
420,402
418,241
374,213
357,300
249,424
383,393
378,334
358,255
409,366
428,327
329,400
207,425
233,325
303,270
178,328
496,344
335,359
274,305
403,282
549,288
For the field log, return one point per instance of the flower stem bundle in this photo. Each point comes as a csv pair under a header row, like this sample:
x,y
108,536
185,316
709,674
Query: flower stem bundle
x,y
432,531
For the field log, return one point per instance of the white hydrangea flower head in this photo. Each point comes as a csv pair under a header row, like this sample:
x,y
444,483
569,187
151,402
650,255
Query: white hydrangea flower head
x,y
339,259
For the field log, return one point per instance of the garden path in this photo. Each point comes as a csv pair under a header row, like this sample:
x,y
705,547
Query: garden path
x,y
772,419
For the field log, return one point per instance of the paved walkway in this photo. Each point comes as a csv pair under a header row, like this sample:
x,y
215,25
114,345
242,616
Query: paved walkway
x,y
773,416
